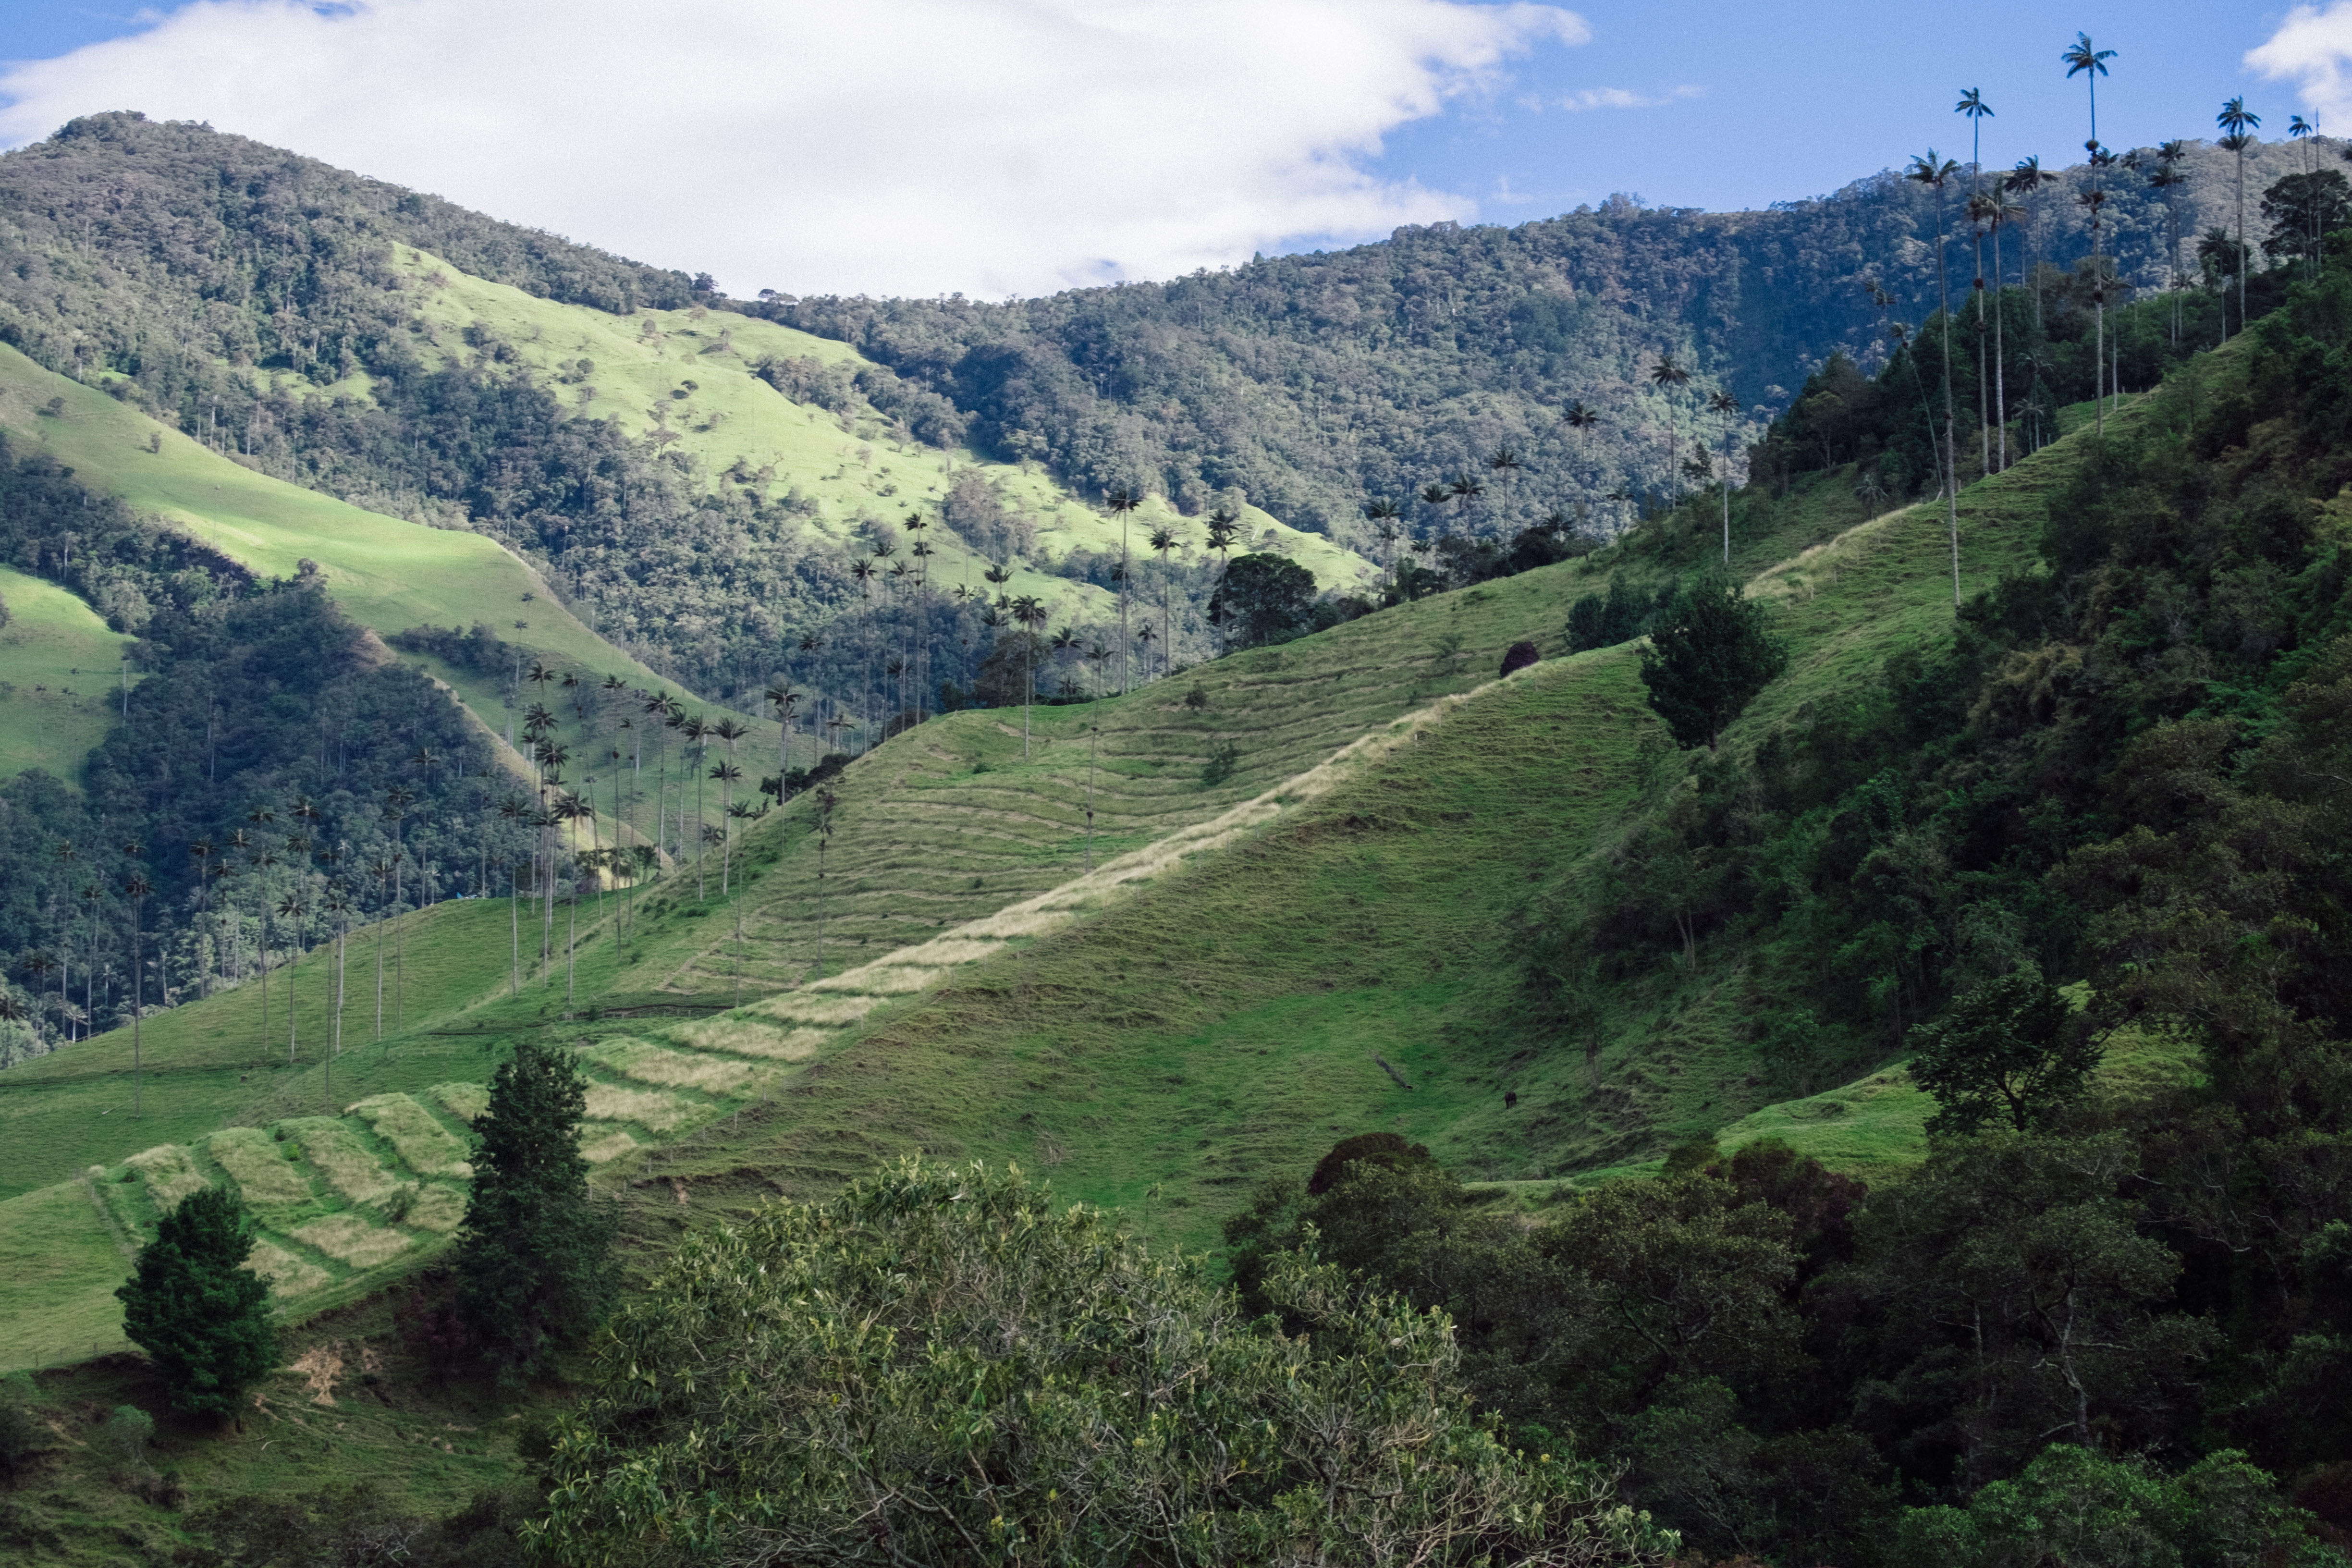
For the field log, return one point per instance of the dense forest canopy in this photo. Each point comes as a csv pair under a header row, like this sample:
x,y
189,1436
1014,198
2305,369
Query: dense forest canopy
x,y
1317,383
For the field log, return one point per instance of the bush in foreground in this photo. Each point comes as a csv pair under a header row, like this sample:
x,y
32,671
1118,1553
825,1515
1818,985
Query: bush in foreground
x,y
940,1366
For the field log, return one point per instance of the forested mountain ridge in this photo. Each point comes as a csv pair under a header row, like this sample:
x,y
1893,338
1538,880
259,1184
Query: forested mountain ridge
x,y
1317,383
698,483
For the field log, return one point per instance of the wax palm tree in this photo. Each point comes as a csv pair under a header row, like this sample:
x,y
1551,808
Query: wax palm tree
x,y
1146,637
2094,202
1505,466
293,909
1973,106
1064,647
695,732
730,732
2002,213
915,523
2238,127
2026,180
1122,503
2168,178
2082,59
862,571
2300,129
1583,419
1031,615
1464,490
1723,403
338,907
729,775
137,889
783,699
1164,539
1434,496
1667,376
1936,173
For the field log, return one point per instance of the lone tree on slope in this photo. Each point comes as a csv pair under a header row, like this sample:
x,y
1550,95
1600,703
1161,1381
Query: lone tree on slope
x,y
1267,598
196,1310
533,1259
2008,1052
1708,656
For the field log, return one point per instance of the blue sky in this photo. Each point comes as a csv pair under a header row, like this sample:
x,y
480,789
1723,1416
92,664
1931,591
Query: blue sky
x,y
1795,99
999,146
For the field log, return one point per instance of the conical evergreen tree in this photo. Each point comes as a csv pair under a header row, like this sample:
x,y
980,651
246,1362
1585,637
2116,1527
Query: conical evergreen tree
x,y
534,1258
199,1315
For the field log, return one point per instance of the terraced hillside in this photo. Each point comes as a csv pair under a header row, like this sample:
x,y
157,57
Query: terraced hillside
x,y
1321,943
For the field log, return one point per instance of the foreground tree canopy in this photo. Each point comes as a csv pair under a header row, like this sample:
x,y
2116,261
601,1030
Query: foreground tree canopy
x,y
941,1366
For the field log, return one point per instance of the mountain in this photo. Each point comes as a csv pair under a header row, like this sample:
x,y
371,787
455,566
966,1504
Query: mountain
x,y
1316,384
1819,1112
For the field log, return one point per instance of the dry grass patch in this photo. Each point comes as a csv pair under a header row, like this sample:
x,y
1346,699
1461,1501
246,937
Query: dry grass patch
x,y
601,1145
647,1108
650,1063
439,1208
952,949
337,1153
798,1007
170,1173
350,1239
257,1163
287,1274
424,1143
897,979
744,1037
466,1100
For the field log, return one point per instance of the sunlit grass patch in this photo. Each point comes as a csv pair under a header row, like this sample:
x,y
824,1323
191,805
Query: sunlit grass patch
x,y
802,1008
601,1145
351,1239
170,1173
437,1208
426,1146
644,1060
289,1275
649,1108
336,1152
466,1100
265,1175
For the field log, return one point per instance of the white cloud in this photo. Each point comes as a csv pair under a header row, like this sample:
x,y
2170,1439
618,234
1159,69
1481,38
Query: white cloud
x,y
885,146
1624,98
2314,47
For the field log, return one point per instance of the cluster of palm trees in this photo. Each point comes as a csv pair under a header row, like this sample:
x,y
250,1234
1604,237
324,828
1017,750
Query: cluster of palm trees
x,y
2005,200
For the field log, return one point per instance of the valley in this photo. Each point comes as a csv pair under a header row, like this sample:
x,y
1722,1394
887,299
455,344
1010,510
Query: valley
x,y
1799,1003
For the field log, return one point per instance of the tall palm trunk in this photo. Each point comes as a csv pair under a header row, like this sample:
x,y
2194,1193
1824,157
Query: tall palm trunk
x,y
2000,371
1951,448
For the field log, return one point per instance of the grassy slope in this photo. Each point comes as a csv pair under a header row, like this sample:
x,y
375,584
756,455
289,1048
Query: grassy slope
x,y
847,468
387,575
59,664
1345,914
1213,1008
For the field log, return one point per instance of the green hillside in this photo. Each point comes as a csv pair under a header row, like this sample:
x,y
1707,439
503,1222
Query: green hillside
x,y
63,663
386,574
849,467
1345,897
